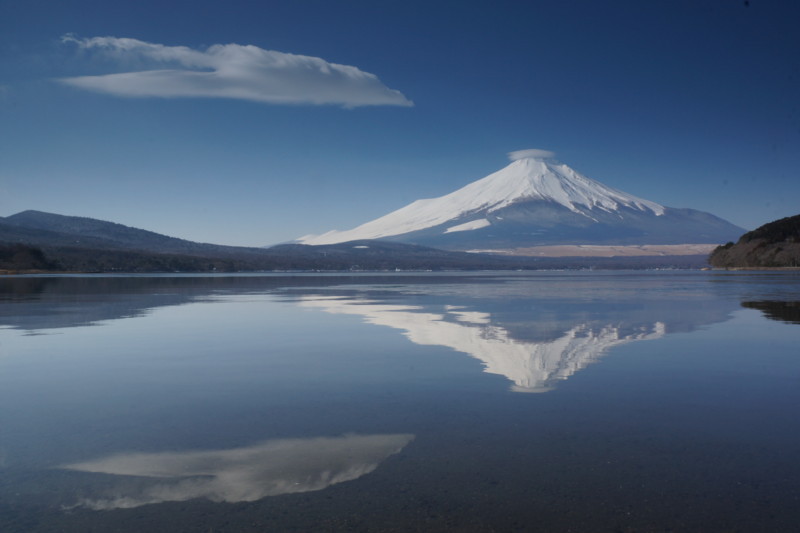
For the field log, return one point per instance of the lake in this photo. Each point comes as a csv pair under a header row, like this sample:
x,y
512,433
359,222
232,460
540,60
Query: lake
x,y
545,401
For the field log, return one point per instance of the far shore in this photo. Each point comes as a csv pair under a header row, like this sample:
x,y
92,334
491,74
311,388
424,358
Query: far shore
x,y
591,250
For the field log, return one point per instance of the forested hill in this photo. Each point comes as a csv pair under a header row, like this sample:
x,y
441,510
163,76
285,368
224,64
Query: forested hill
x,y
773,245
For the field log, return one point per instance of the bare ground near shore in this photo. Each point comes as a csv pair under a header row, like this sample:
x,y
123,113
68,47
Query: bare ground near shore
x,y
591,250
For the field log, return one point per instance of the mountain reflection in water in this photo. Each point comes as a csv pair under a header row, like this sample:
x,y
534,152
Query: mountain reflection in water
x,y
241,474
531,366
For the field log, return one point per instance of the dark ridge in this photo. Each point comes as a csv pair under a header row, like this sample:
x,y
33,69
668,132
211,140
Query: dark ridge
x,y
783,230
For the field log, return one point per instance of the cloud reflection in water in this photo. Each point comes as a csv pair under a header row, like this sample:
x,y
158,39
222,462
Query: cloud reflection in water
x,y
242,474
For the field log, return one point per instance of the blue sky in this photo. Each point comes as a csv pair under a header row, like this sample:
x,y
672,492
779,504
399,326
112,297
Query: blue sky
x,y
686,103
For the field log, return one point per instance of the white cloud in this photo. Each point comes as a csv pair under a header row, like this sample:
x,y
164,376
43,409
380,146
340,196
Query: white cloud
x,y
532,153
230,71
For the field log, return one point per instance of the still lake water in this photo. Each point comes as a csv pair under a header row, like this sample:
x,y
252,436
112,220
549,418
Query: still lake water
x,y
584,401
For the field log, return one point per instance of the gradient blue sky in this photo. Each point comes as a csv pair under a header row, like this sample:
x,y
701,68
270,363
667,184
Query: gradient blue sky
x,y
686,103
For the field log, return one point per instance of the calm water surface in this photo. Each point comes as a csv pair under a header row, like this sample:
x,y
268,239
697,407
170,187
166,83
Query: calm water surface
x,y
625,401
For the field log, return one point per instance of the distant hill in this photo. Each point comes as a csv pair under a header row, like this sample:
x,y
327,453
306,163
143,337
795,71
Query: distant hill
x,y
68,243
776,244
38,227
86,244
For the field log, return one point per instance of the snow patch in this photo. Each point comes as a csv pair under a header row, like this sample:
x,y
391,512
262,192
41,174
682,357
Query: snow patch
x,y
474,224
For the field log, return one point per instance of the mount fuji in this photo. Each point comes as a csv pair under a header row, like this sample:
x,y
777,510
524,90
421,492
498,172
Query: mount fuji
x,y
537,201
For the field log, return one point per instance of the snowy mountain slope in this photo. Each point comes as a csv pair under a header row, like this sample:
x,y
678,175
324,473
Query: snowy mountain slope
x,y
536,200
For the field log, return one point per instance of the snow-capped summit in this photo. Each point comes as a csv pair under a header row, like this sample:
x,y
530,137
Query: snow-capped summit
x,y
533,200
